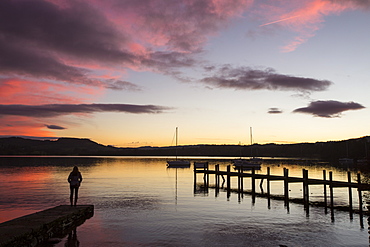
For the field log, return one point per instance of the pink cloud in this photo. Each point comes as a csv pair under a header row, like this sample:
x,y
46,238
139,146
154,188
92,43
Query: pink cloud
x,y
23,126
305,17
15,91
179,25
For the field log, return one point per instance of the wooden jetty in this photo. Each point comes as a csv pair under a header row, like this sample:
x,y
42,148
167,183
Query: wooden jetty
x,y
33,229
327,182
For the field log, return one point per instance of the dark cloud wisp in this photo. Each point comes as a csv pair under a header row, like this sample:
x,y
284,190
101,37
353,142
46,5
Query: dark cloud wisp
x,y
55,110
245,78
54,127
274,110
329,108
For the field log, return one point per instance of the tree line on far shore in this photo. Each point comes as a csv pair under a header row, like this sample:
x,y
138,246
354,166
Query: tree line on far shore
x,y
356,149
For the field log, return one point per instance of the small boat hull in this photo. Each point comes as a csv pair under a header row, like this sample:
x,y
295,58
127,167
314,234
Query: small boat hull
x,y
247,163
178,163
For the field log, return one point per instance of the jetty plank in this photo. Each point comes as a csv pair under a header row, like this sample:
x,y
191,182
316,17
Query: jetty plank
x,y
35,228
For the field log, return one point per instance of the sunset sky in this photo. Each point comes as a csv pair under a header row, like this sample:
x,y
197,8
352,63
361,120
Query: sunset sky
x,y
128,72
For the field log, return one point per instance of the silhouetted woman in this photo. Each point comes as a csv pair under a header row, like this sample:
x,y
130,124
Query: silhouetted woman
x,y
74,180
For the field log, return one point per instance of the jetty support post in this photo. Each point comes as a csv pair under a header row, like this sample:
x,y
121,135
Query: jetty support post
x,y
286,187
253,186
350,195
331,194
325,195
242,181
195,179
359,193
239,178
306,191
360,200
217,179
304,187
228,181
268,188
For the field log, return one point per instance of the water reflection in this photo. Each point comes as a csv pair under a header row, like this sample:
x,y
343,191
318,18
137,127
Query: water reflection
x,y
72,240
139,202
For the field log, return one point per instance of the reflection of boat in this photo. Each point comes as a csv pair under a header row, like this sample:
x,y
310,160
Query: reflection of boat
x,y
363,161
248,163
346,161
198,165
178,163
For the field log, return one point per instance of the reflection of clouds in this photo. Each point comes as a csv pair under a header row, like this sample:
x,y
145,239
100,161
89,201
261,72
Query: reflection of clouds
x,y
263,232
128,202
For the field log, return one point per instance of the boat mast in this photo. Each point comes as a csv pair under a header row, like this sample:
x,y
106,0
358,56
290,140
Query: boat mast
x,y
176,142
250,131
251,136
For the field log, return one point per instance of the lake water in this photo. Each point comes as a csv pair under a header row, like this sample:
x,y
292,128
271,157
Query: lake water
x,y
141,202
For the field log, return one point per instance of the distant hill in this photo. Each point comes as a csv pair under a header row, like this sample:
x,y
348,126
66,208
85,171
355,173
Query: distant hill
x,y
333,150
62,146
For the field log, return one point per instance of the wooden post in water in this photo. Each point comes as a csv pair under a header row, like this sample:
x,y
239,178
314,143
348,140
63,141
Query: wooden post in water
x,y
253,186
228,181
350,195
268,188
286,186
325,196
253,182
217,179
239,179
360,200
242,181
331,191
331,196
359,193
304,187
307,190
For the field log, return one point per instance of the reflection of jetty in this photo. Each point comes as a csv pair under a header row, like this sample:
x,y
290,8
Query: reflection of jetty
x,y
286,179
33,229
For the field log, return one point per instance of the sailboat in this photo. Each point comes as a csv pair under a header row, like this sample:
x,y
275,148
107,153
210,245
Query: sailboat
x,y
178,163
253,162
